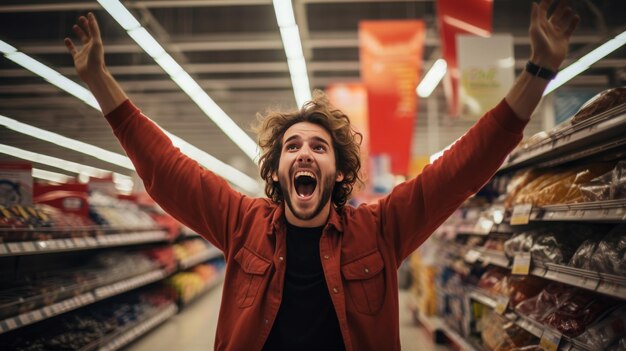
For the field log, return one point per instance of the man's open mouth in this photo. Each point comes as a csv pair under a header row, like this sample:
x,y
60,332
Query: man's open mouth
x,y
305,183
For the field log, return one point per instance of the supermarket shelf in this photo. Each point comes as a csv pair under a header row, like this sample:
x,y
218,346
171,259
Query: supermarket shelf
x,y
494,257
457,339
601,211
531,326
85,243
81,300
134,332
201,257
575,139
606,284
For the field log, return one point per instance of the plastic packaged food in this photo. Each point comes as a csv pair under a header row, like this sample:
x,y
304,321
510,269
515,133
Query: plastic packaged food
x,y
576,313
519,243
494,280
524,287
597,189
540,306
603,101
610,255
618,181
606,331
582,257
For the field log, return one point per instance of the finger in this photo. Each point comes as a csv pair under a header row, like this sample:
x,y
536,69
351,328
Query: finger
x,y
70,46
80,33
534,12
543,8
566,18
572,26
84,24
559,6
93,24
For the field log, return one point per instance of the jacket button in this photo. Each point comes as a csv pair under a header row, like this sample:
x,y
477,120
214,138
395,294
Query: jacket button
x,y
335,290
326,257
366,270
281,258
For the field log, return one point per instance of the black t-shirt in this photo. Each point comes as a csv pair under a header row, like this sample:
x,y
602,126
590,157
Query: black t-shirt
x,y
306,319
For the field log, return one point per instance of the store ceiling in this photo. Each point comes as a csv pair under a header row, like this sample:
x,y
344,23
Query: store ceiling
x,y
233,49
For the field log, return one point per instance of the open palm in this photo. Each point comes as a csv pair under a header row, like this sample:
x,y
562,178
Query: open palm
x,y
90,56
550,36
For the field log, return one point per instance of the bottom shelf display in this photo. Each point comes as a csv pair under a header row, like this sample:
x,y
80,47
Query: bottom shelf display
x,y
108,325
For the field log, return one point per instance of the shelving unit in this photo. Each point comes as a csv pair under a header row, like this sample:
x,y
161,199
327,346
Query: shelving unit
x,y
80,243
600,136
84,299
572,143
126,336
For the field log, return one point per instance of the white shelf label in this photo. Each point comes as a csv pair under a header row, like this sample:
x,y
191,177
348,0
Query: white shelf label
x,y
28,246
521,214
550,340
521,263
472,256
14,247
3,249
11,323
502,302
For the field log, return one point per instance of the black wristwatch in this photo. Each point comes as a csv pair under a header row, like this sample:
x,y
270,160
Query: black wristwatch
x,y
539,71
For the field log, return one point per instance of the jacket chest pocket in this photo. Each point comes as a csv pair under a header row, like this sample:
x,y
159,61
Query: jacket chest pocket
x,y
365,282
251,276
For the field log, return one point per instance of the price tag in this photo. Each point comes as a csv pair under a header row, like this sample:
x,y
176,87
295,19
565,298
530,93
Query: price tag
x,y
28,246
3,249
521,263
14,247
53,244
521,214
472,256
483,226
11,323
501,304
25,319
550,340
79,242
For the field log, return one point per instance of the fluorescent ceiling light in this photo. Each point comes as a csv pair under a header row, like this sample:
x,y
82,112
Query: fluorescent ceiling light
x,y
293,49
49,74
584,62
6,48
120,14
191,87
432,78
284,13
184,81
51,176
72,144
59,163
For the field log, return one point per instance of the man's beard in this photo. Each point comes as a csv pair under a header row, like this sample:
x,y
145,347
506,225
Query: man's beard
x,y
327,190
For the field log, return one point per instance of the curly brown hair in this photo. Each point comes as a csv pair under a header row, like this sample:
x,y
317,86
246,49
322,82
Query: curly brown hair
x,y
346,143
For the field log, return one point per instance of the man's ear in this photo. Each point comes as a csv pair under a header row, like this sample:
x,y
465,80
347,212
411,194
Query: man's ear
x,y
339,177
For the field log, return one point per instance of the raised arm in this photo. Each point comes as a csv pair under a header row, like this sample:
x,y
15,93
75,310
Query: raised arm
x,y
417,207
89,63
549,43
190,193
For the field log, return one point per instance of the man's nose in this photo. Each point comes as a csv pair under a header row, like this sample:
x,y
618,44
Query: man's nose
x,y
305,156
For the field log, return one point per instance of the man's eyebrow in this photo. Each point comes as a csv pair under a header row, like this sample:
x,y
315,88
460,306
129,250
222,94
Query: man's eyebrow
x,y
316,138
320,139
295,136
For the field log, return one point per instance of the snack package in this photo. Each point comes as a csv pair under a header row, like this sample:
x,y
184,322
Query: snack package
x,y
618,181
606,331
575,314
546,302
500,334
603,101
597,189
521,242
558,244
523,287
494,280
582,257
610,255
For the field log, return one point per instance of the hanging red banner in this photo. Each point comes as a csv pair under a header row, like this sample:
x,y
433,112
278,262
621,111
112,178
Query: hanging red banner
x,y
460,17
391,61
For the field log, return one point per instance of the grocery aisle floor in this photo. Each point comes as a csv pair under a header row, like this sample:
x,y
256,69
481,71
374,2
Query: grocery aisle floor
x,y
194,329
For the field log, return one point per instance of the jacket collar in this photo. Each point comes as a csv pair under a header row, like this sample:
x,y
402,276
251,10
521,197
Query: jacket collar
x,y
278,220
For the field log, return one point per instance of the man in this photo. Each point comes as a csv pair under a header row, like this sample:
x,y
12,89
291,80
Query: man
x,y
305,272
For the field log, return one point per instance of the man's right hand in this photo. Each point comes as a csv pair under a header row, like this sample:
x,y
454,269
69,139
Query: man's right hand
x,y
89,58
89,63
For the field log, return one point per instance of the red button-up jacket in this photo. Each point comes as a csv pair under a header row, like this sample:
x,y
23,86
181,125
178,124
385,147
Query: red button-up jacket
x,y
360,248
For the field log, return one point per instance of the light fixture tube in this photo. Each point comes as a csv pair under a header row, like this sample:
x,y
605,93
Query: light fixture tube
x,y
432,78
